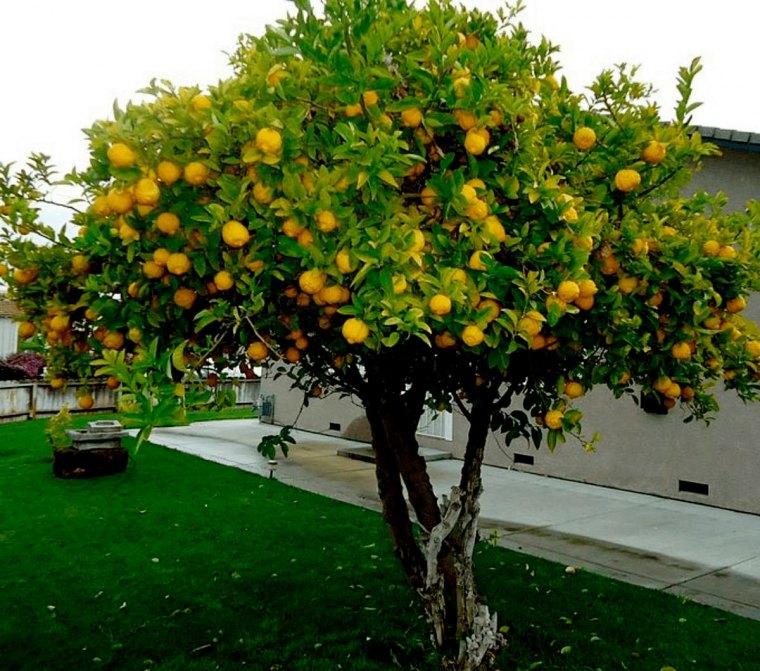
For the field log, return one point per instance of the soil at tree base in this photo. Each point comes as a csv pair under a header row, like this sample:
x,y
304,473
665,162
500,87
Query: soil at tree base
x,y
74,463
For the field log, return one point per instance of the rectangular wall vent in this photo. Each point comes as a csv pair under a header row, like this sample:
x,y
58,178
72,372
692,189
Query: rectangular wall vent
x,y
334,426
523,459
693,487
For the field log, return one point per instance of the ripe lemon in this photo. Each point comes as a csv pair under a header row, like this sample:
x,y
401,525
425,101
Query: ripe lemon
x,y
100,206
553,419
495,229
268,141
263,194
476,141
86,402
628,284
493,307
418,241
568,291
293,354
305,238
472,335
257,351
574,389
56,382
370,98
161,256
168,172
343,261
326,221
429,197
726,252
168,223
627,180
529,326
184,297
654,152
466,120
711,248
224,280
673,390
178,263
477,210
153,270
80,265
200,102
234,234
681,350
112,382
399,284
587,288
584,302
736,304
311,281
121,156
113,340
412,117
584,138
26,329
119,201
355,331
440,304
147,191
475,261
753,348
353,110
196,173
291,227
445,340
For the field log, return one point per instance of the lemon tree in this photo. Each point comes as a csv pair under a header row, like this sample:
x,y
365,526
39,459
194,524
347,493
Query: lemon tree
x,y
407,204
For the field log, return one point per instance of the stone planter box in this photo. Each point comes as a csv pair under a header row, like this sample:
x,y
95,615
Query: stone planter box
x,y
95,451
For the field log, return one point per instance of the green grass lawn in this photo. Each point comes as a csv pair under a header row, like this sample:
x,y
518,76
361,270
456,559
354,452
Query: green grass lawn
x,y
184,564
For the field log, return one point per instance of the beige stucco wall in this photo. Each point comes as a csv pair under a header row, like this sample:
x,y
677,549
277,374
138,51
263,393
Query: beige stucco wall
x,y
638,451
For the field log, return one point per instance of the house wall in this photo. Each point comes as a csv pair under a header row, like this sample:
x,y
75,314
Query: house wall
x,y
8,337
654,454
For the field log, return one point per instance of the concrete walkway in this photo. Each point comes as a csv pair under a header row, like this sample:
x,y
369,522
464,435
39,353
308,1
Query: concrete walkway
x,y
706,554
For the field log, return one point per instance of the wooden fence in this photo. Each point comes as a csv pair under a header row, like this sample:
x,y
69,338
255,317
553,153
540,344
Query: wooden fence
x,y
27,400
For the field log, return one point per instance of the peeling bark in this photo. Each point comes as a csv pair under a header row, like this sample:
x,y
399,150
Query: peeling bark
x,y
439,562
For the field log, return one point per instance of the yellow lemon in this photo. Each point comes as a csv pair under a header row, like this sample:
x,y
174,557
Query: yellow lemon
x,y
121,156
268,141
147,191
553,419
257,351
574,389
224,280
412,117
168,223
326,221
343,261
311,281
472,335
568,291
235,235
654,152
355,331
681,350
627,180
184,297
196,173
476,141
440,304
178,263
584,138
168,172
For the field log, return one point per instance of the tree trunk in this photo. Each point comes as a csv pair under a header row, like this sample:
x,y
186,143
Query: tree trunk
x,y
439,562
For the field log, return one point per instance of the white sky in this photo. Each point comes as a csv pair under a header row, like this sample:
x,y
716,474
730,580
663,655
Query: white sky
x,y
62,64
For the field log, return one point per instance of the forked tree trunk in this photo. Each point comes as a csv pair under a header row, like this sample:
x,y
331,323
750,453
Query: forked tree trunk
x,y
438,561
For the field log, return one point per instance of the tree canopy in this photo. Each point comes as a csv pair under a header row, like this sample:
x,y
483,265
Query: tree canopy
x,y
403,203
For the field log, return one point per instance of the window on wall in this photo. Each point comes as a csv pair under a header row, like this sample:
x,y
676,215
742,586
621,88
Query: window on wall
x,y
436,424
